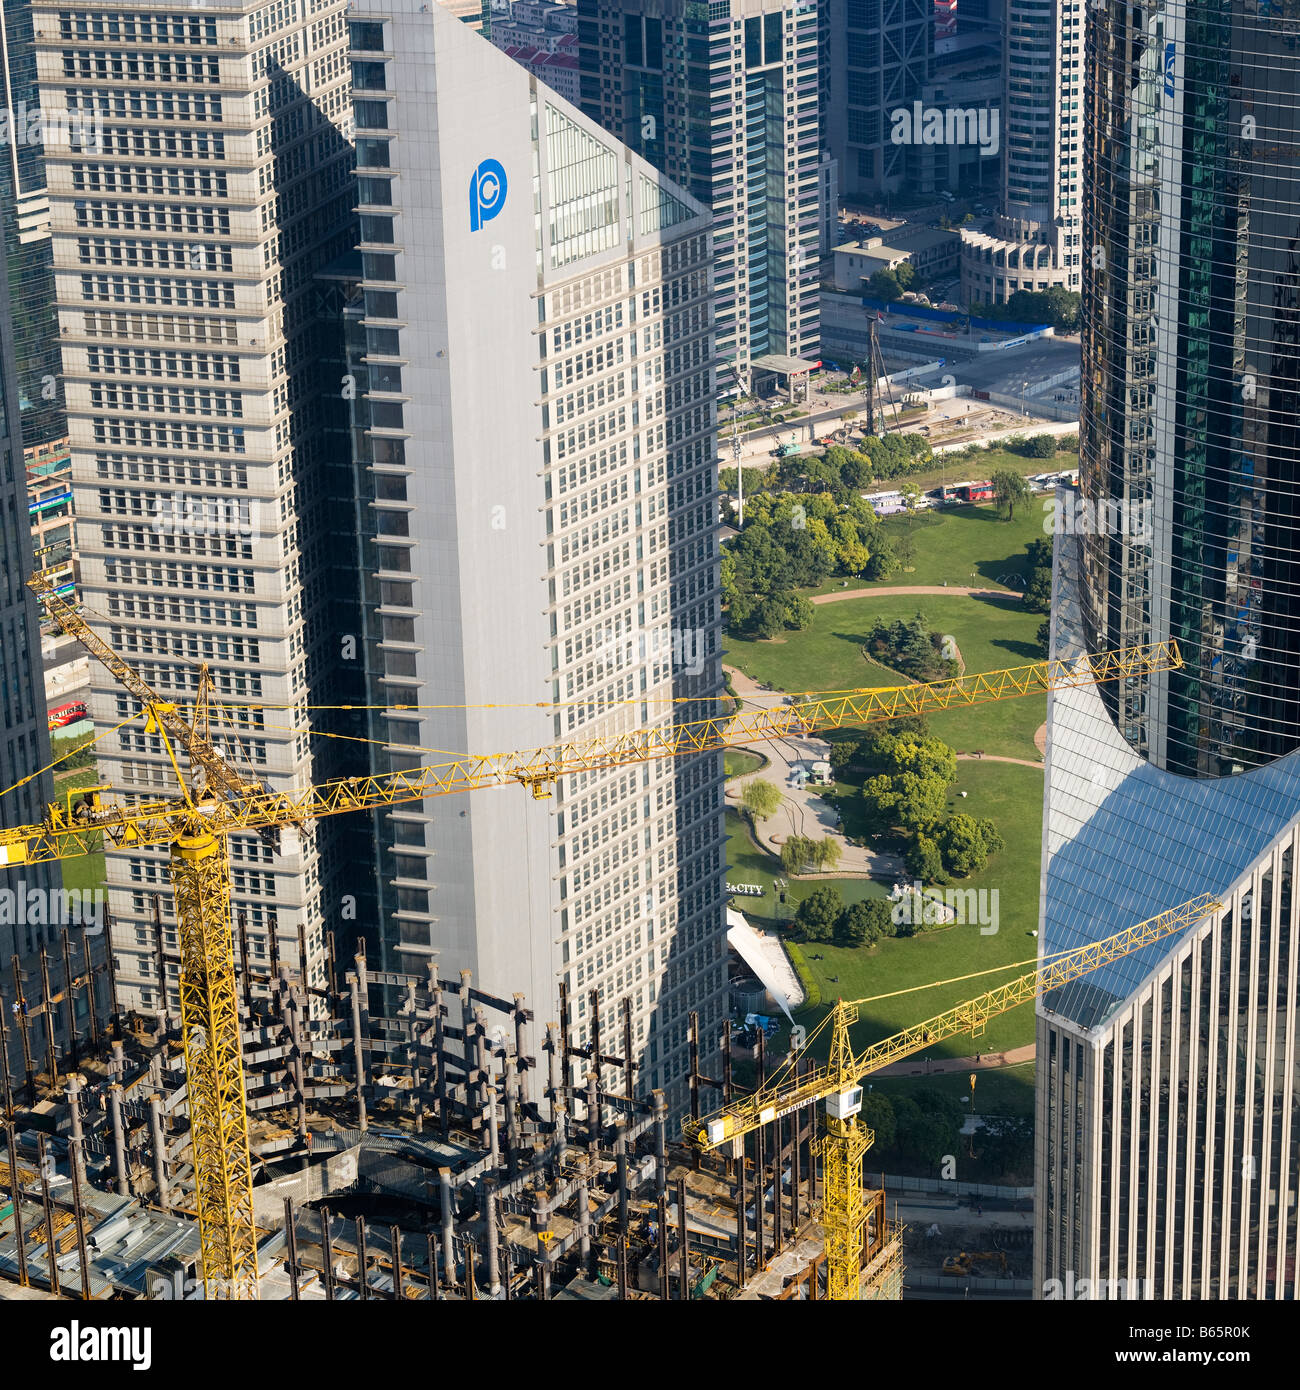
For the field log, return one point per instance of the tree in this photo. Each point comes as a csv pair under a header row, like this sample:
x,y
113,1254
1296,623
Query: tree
x,y
1009,488
925,1136
1045,637
863,924
818,913
885,561
1007,1143
884,285
795,853
799,612
1037,597
844,753
924,861
760,798
878,1116
1041,446
826,852
966,844
905,274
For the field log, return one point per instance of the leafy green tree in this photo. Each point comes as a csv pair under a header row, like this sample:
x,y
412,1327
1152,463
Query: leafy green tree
x,y
884,285
760,798
905,274
795,854
1037,597
924,861
862,924
1009,489
878,1116
1039,553
885,561
843,754
800,613
1041,446
826,852
967,844
925,1136
1045,637
1007,1143
818,913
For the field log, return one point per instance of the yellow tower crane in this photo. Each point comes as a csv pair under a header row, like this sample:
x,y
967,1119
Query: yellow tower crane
x,y
839,1083
196,827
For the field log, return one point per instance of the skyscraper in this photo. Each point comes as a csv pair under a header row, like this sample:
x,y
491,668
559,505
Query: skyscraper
x,y
1036,243
534,364
24,219
724,99
880,52
186,234
1168,1082
24,739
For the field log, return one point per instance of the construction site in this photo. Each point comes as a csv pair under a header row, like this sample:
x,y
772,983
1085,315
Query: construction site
x,y
390,1136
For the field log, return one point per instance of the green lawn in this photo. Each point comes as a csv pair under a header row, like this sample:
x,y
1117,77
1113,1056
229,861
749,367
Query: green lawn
x,y
1012,797
990,633
746,864
1006,1091
736,762
969,547
86,871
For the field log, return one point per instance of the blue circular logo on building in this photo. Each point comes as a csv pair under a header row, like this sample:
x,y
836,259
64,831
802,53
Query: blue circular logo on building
x,y
487,193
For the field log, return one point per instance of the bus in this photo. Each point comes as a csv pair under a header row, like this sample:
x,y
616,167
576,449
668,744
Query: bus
x,y
67,714
973,492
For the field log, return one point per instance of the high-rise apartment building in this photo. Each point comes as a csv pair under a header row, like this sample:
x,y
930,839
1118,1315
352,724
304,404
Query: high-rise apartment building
x,y
1169,1150
187,229
724,98
536,432
1036,242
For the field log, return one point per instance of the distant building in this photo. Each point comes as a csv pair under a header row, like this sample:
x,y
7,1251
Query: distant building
x,y
542,36
930,251
724,98
1036,242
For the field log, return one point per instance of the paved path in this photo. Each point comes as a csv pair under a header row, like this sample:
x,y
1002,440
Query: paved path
x,y
997,758
838,595
986,1061
1040,739
802,810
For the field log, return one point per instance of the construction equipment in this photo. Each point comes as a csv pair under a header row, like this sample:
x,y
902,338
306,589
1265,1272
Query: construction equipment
x,y
839,1083
196,827
964,1261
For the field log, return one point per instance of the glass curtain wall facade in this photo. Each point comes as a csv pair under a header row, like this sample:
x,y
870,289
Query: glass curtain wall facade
x,y
1191,351
724,97
1168,1083
881,53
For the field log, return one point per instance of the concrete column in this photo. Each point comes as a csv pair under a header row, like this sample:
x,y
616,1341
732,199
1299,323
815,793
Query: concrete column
x,y
620,1163
493,1126
660,1105
159,1143
358,1051
119,1139
446,1200
521,1048
77,1146
489,1190
584,1226
514,1091
593,1113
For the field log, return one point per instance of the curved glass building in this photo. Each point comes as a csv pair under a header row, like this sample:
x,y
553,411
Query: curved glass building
x,y
1191,357
1168,1116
